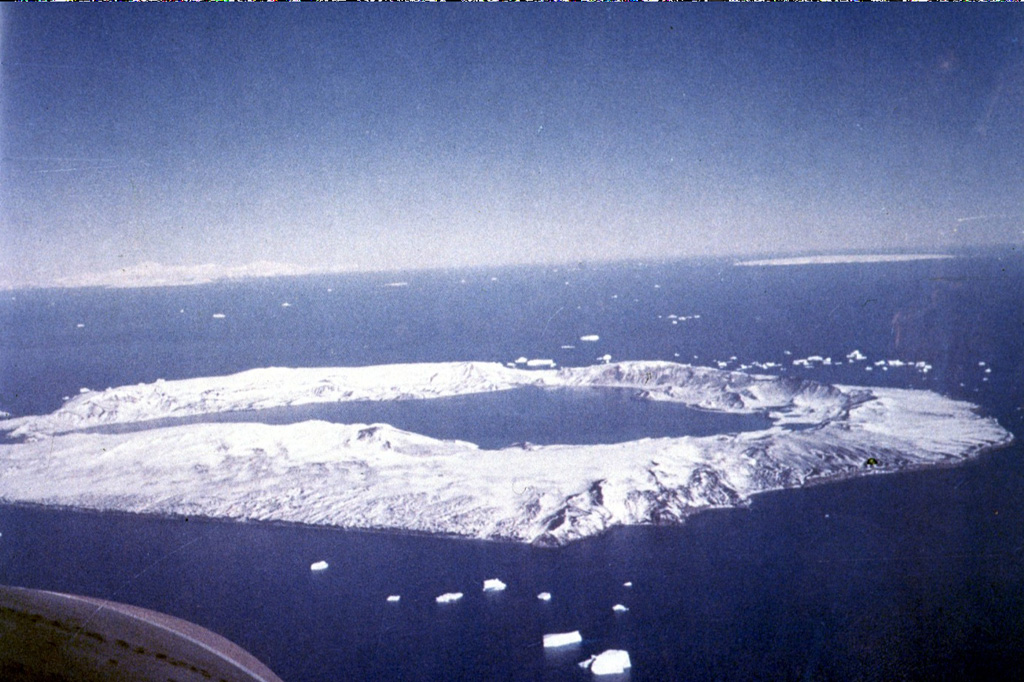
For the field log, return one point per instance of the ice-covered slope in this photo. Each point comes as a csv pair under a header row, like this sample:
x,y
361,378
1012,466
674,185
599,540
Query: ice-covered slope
x,y
376,476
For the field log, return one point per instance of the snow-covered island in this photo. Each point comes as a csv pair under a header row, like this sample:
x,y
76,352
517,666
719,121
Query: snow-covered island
x,y
376,476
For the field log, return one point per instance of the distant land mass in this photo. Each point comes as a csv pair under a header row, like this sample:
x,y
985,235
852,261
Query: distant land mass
x,y
154,274
840,259
376,476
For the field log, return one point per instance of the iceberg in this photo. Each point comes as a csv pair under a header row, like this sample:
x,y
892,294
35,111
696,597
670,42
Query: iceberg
x,y
449,597
619,608
318,566
544,596
394,598
376,476
628,583
494,585
219,316
590,337
610,662
557,639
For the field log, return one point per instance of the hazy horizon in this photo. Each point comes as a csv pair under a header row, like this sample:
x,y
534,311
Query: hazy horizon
x,y
404,138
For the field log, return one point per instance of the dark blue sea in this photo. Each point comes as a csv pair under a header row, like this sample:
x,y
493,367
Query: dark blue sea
x,y
918,575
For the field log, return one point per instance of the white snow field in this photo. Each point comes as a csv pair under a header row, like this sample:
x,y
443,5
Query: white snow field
x,y
377,476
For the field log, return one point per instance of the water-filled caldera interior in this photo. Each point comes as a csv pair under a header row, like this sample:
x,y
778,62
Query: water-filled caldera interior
x,y
498,419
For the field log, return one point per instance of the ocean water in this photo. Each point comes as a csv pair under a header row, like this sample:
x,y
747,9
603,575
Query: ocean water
x,y
910,576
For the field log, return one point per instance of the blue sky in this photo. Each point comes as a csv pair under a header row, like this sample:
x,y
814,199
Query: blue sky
x,y
380,137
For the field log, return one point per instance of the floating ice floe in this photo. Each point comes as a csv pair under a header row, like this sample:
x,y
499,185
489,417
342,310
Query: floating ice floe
x,y
219,316
590,337
606,358
318,566
610,662
544,596
449,597
856,356
620,608
494,585
286,304
393,598
540,363
397,284
628,583
521,360
80,325
557,639
568,347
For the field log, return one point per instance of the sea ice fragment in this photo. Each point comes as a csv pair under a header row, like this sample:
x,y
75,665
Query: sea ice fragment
x,y
449,597
610,662
494,585
393,598
619,608
590,337
544,596
318,566
557,639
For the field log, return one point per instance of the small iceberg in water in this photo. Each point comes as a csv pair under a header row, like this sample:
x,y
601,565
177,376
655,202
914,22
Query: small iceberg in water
x,y
494,585
557,639
393,598
219,316
610,662
590,337
628,583
544,596
449,597
318,566
619,608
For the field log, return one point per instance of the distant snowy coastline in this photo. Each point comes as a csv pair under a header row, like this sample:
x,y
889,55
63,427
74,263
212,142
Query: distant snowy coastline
x,y
840,259
152,274
376,476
